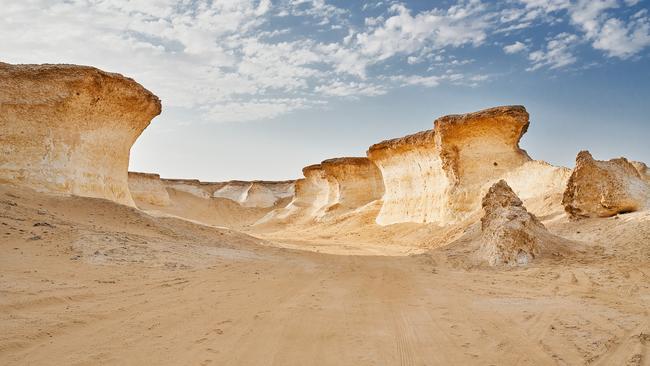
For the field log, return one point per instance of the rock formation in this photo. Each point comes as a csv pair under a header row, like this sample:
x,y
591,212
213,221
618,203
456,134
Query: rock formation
x,y
69,129
509,234
436,176
643,170
192,186
256,193
148,188
604,188
353,182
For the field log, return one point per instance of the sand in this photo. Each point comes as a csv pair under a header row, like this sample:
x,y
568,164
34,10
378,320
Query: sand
x,y
86,281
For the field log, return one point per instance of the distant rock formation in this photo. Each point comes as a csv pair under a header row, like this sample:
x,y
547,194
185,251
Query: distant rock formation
x,y
148,188
436,176
355,181
510,235
192,186
334,185
605,188
69,129
256,193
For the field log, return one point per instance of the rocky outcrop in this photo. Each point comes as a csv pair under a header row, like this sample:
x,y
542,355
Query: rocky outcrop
x,y
353,182
643,170
437,175
193,186
333,186
604,188
147,188
256,193
510,235
69,129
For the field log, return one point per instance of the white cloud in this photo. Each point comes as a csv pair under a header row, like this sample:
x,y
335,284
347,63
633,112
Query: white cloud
x,y
515,48
558,53
353,89
404,33
623,40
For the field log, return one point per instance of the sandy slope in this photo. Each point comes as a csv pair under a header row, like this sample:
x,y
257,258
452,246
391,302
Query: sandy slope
x,y
88,282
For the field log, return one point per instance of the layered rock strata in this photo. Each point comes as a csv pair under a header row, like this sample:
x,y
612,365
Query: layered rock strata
x,y
604,188
436,176
510,235
69,129
148,188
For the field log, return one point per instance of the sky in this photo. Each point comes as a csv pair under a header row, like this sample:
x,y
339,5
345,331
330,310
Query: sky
x,y
257,89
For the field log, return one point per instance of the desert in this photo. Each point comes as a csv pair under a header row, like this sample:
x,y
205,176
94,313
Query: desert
x,y
450,246
320,182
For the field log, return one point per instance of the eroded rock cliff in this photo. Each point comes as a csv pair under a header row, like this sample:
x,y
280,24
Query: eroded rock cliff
x,y
148,188
604,188
69,129
437,175
353,182
256,193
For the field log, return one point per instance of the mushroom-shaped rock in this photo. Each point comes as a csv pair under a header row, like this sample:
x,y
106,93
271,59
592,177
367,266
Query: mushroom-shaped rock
x,y
604,188
69,129
437,175
510,235
147,188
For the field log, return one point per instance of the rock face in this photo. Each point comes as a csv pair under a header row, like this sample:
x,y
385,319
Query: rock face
x,y
353,182
69,129
604,188
335,185
256,193
643,170
192,186
509,234
148,188
436,176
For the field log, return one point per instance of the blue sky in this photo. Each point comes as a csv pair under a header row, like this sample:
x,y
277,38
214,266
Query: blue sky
x,y
259,89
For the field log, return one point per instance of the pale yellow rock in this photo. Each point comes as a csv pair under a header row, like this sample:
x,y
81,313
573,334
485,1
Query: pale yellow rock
x,y
436,176
353,182
148,188
69,129
605,188
510,235
256,193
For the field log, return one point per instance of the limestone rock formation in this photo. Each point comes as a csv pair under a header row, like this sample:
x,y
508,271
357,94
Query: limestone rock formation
x,y
354,182
256,193
643,170
436,175
148,188
335,185
69,129
509,234
604,188
192,186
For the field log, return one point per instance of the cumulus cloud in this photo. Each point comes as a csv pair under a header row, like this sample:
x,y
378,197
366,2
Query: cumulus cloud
x,y
515,48
257,59
557,54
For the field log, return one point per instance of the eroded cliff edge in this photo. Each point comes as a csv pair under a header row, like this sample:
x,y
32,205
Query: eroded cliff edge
x,y
438,176
69,129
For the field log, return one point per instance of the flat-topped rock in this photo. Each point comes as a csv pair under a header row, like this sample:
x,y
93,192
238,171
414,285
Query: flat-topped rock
x,y
69,129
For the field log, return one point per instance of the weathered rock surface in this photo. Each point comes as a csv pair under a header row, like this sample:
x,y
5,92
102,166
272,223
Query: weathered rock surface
x,y
510,235
436,176
256,193
69,129
193,186
643,170
148,188
354,182
604,188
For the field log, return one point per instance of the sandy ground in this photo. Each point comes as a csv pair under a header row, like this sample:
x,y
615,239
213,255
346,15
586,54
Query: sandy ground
x,y
89,282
